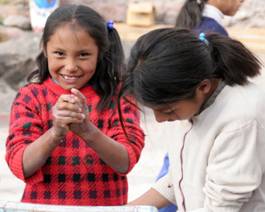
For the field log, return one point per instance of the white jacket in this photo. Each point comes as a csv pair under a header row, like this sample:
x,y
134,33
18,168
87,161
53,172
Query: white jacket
x,y
217,160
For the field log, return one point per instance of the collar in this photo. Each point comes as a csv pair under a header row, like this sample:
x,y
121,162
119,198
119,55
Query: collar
x,y
212,98
54,87
213,12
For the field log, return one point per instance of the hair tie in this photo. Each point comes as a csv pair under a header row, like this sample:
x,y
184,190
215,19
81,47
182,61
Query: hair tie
x,y
202,37
110,25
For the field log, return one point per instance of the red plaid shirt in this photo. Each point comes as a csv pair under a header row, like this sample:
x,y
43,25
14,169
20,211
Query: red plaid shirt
x,y
73,174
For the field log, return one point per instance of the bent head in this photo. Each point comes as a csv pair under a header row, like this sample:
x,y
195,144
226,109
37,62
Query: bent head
x,y
185,108
171,72
175,71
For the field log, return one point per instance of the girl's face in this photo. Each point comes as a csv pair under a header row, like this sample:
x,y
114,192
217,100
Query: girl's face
x,y
227,7
72,56
185,109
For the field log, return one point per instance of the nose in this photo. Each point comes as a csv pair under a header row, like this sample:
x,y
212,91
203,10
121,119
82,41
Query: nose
x,y
71,65
160,117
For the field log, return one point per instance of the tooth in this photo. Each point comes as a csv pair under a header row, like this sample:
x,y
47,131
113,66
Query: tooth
x,y
68,77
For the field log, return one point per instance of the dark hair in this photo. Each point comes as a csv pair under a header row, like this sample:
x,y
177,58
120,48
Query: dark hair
x,y
190,14
111,56
167,65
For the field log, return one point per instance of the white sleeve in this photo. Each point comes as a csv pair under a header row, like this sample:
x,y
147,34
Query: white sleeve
x,y
234,168
165,188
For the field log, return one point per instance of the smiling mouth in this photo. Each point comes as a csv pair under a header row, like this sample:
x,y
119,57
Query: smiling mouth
x,y
70,79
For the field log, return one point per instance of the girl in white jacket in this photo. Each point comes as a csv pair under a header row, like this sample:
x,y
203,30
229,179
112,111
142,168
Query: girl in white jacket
x,y
201,81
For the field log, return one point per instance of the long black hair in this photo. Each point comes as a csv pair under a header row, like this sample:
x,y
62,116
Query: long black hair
x,y
111,56
190,14
167,65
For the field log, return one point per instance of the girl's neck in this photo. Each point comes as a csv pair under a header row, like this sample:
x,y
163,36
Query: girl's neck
x,y
213,12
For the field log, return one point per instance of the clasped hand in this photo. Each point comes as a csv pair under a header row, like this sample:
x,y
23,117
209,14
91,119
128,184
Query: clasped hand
x,y
71,113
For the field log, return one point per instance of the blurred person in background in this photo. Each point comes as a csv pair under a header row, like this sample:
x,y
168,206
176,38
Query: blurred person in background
x,y
39,12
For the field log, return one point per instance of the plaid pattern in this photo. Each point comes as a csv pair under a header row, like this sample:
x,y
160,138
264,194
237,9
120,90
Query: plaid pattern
x,y
73,174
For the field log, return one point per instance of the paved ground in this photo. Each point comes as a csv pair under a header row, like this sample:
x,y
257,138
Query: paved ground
x,y
143,175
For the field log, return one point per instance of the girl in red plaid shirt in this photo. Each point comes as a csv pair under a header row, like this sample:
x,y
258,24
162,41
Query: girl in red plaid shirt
x,y
65,139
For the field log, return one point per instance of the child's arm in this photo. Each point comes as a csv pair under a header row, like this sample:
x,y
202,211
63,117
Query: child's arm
x,y
64,112
28,145
110,151
36,153
115,153
152,198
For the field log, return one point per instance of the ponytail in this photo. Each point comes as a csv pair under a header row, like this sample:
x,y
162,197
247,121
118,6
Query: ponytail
x,y
116,54
233,62
190,14
42,71
109,70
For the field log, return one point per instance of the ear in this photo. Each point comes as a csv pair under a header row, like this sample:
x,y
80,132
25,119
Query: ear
x,y
205,87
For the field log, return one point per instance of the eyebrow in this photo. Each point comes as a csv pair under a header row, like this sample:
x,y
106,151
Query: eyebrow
x,y
168,110
60,49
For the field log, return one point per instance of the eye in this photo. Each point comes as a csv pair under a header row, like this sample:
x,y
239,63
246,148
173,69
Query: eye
x,y
170,112
58,53
84,55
